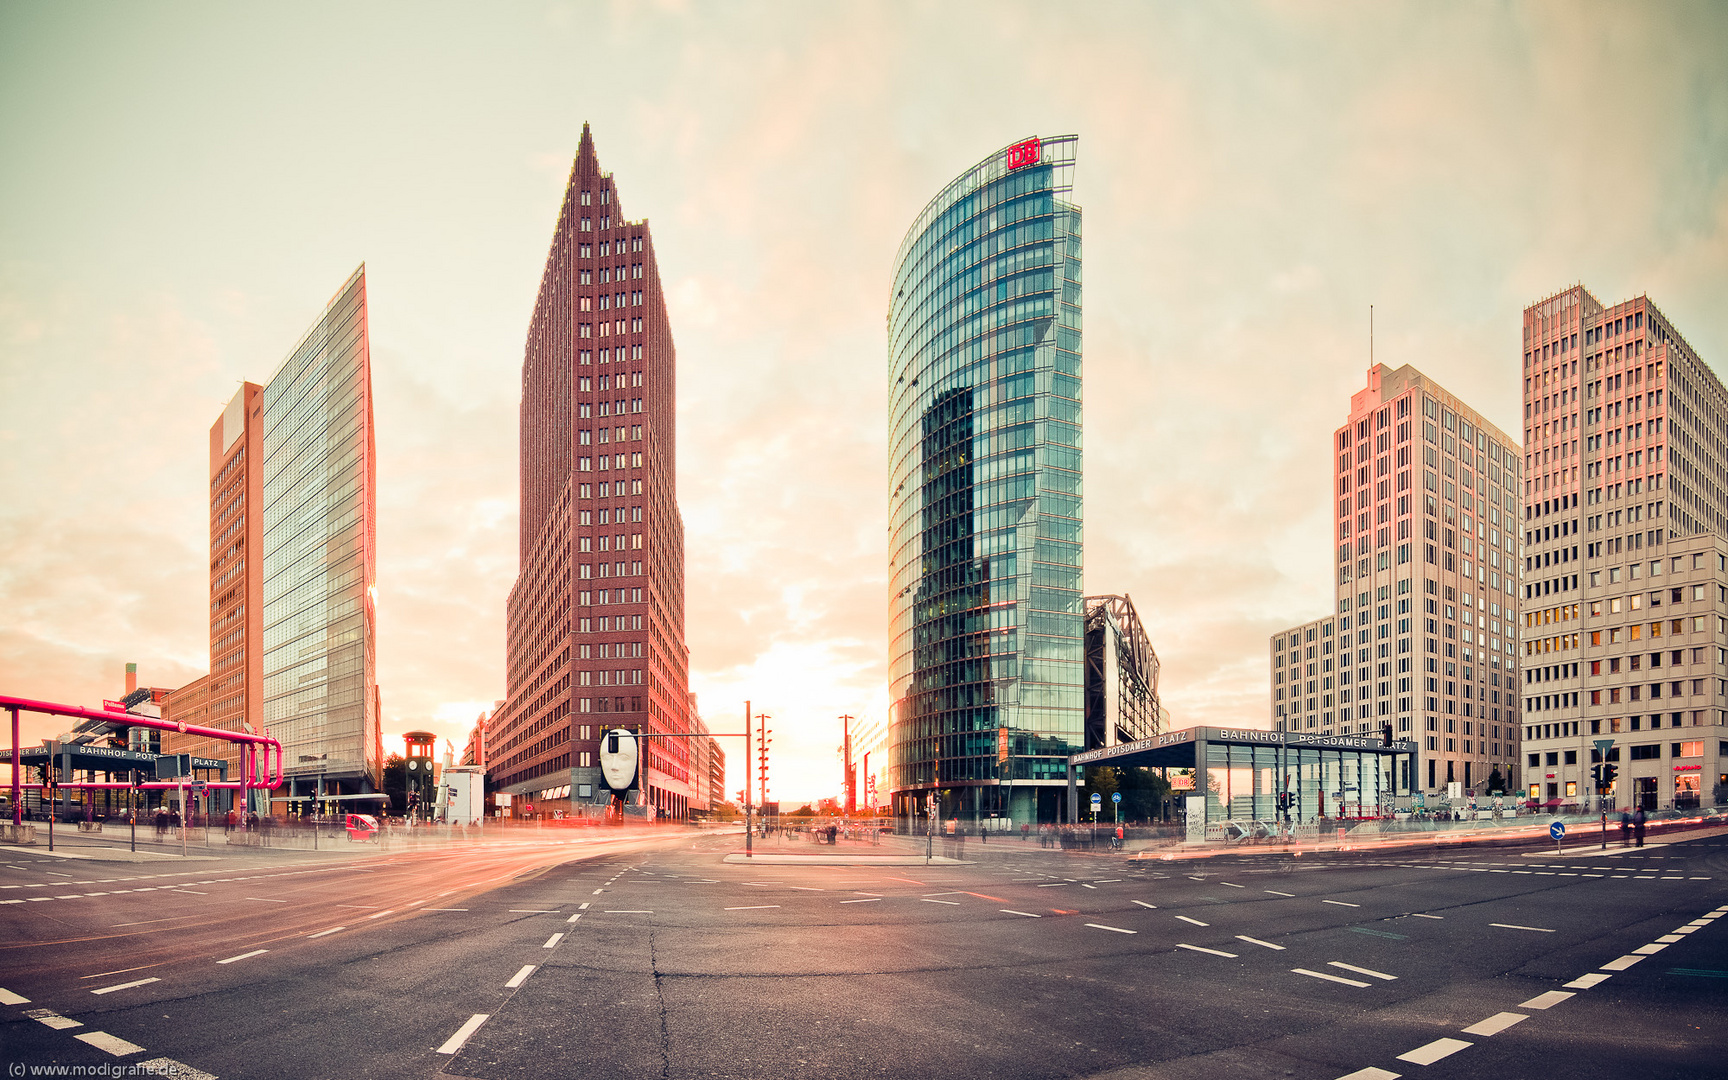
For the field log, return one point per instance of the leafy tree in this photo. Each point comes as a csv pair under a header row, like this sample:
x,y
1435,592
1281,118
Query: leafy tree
x,y
396,783
1496,783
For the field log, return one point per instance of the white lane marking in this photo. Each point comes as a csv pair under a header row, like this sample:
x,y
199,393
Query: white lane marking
x,y
1257,941
1009,911
115,1045
520,977
1117,929
327,933
574,917
1651,949
553,941
1328,978
359,907
764,907
1144,904
1434,1051
866,900
927,900
1515,926
1548,1000
1340,903
7,997
1275,892
1371,1073
806,888
454,1043
446,909
264,899
1232,884
627,911
1083,885
169,1067
1106,880
582,907
597,892
125,986
244,956
1196,922
1214,952
1585,982
52,1019
1420,915
1497,1023
381,914
1052,884
533,911
1361,970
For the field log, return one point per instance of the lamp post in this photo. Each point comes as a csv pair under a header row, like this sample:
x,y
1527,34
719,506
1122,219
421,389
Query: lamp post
x,y
749,852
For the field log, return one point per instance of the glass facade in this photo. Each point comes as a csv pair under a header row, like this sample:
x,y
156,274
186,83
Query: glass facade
x,y
987,637
319,689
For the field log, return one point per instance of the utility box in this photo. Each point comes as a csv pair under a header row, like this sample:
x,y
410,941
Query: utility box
x,y
465,794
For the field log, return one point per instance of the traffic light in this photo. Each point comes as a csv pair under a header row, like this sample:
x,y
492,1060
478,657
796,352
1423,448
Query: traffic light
x,y
1609,772
1385,734
1596,776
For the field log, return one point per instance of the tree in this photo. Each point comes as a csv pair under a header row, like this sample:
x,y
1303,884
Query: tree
x,y
396,783
1496,783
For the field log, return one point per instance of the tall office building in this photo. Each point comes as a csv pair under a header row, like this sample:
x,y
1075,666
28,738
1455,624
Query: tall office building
x,y
987,618
1424,638
595,634
293,563
1625,522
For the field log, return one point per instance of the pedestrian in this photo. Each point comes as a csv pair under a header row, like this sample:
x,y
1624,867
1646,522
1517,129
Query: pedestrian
x,y
983,834
228,822
1625,828
1638,826
1118,837
1025,827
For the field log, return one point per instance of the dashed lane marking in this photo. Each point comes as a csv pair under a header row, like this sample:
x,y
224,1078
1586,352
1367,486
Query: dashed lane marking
x,y
115,1045
7,997
764,907
125,986
52,1019
1585,982
1497,1023
1371,1073
1515,926
520,977
552,942
454,1043
865,900
1420,915
244,956
1117,929
1546,1001
381,914
1257,941
1361,970
1009,911
1328,978
1434,1051
1144,904
336,929
1275,892
1340,903
927,900
1213,952
1196,922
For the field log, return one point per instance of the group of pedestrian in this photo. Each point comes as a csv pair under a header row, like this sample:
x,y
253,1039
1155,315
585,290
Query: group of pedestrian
x,y
1632,823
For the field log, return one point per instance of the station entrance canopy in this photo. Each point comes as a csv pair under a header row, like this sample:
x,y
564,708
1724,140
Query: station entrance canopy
x,y
1240,773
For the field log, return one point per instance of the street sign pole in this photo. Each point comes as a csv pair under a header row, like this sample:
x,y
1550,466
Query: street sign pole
x,y
749,851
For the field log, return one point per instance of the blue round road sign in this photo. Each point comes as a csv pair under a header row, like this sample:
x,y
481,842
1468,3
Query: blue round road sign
x,y
1115,796
1557,829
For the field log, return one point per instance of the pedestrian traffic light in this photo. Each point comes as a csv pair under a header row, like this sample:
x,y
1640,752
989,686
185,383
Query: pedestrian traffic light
x,y
1609,771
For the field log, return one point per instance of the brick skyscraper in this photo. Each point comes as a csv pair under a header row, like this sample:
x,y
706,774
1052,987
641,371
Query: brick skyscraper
x,y
595,633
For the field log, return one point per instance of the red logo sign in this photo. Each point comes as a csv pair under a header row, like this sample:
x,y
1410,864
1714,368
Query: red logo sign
x,y
1026,153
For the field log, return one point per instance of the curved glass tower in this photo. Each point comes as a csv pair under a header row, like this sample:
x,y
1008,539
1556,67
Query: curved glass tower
x,y
987,635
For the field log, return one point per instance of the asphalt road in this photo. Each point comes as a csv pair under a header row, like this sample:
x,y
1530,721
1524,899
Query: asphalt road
x,y
602,954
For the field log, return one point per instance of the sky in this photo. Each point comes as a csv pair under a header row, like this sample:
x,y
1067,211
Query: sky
x,y
183,187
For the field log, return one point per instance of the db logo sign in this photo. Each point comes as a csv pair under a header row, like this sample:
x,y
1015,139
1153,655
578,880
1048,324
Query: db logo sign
x,y
1023,154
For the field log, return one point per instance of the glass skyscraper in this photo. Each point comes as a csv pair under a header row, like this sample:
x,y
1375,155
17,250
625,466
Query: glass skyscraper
x,y
320,691
987,631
